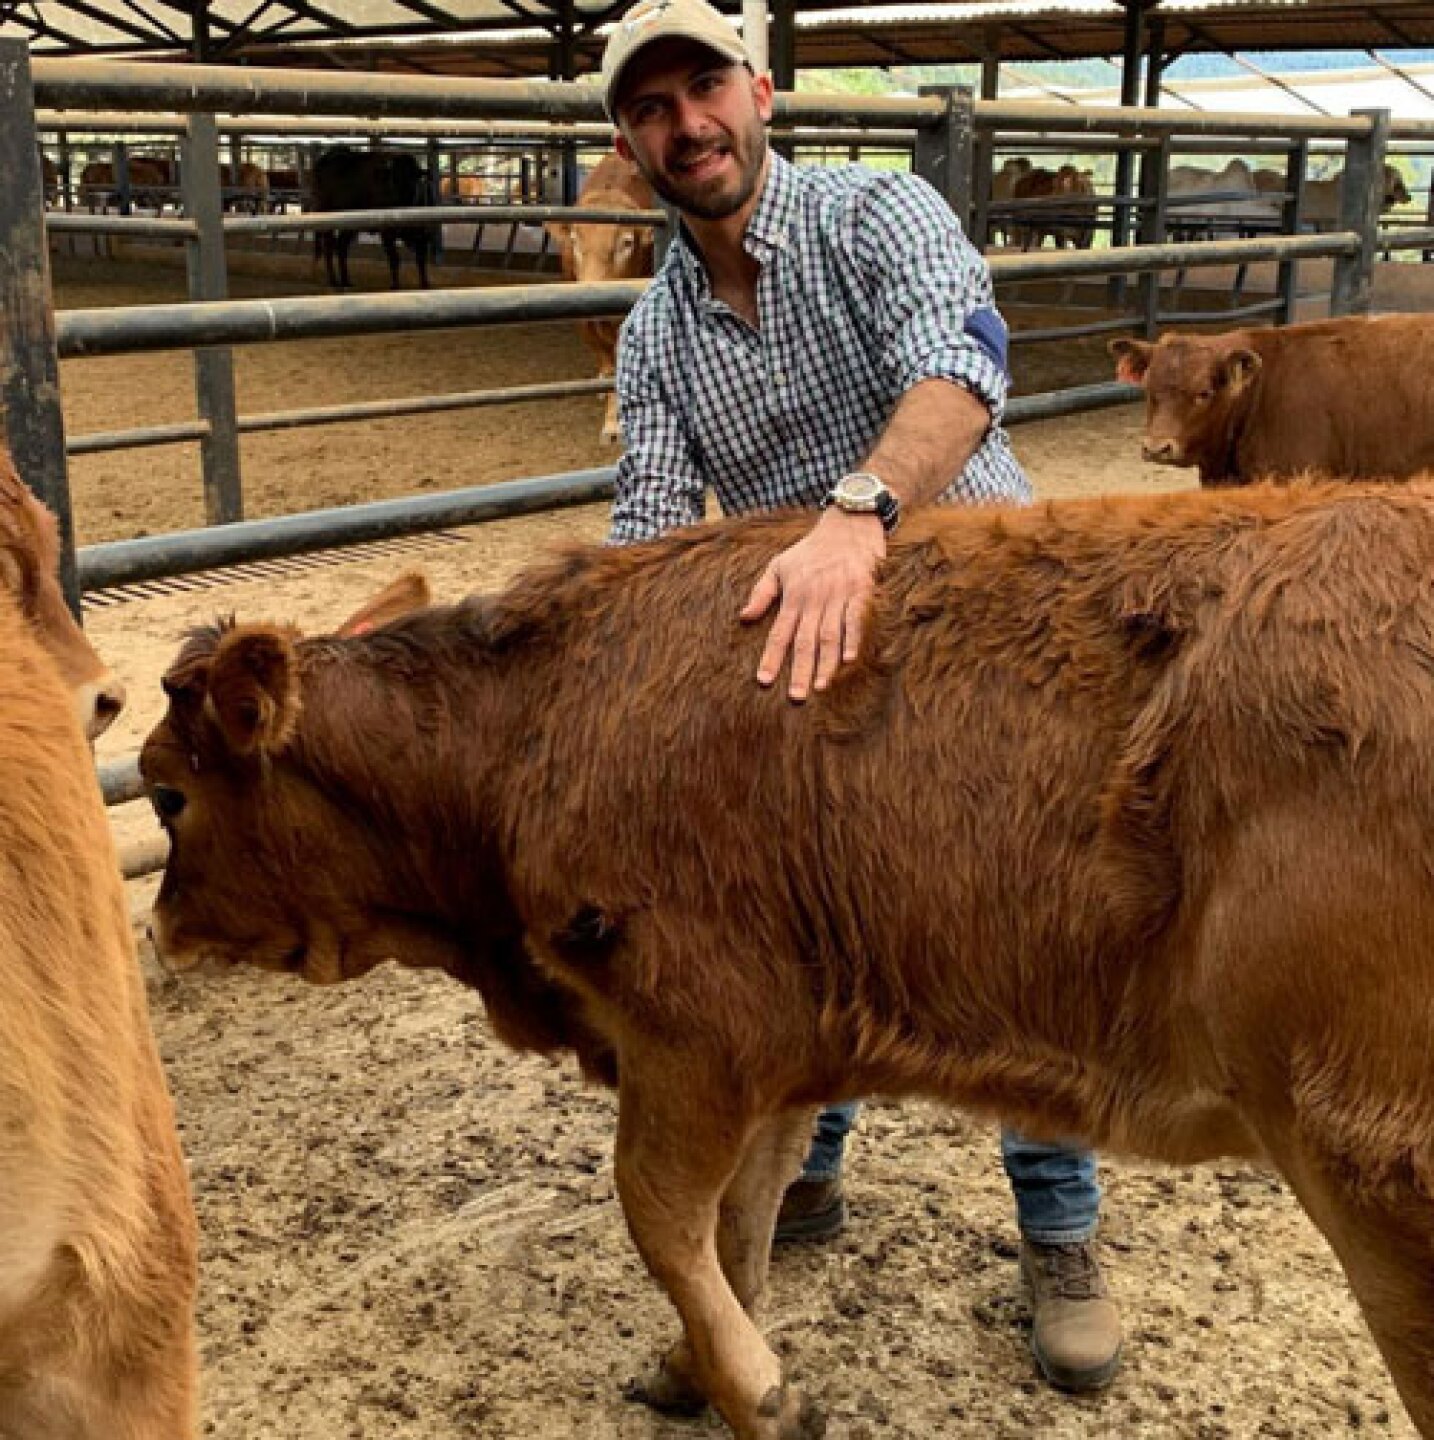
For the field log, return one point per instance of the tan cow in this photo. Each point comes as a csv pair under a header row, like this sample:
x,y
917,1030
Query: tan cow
x,y
1120,826
1352,398
1003,190
97,1239
1065,227
464,189
245,188
29,567
1320,200
591,252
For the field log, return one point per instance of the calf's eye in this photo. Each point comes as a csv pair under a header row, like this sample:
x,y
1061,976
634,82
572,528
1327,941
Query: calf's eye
x,y
167,801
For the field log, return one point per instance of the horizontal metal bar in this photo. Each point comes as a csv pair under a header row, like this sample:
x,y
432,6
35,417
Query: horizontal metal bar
x,y
1075,332
122,562
144,857
98,441
119,780
419,405
1135,259
68,84
80,222
1399,238
245,322
436,215
1026,408
1221,317
1110,119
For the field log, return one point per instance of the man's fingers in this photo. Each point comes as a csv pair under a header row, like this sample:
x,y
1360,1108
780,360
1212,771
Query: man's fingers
x,y
853,628
830,652
804,655
764,592
779,640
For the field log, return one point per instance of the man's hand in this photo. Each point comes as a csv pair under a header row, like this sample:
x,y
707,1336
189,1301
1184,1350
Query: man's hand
x,y
824,582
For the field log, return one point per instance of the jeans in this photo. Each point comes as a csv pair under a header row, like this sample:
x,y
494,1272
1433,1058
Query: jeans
x,y
1056,1189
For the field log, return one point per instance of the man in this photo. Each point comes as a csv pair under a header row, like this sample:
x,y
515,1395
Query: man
x,y
824,338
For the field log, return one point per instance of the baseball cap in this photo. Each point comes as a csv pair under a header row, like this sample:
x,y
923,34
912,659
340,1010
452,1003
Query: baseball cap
x,y
651,20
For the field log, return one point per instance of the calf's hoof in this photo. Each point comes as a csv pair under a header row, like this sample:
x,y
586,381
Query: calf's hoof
x,y
797,1416
667,1390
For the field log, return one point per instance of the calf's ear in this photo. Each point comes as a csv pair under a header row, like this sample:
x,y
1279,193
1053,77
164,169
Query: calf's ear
x,y
1132,359
398,598
1241,367
253,686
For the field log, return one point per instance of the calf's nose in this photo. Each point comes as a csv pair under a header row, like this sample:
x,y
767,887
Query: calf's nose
x,y
1162,452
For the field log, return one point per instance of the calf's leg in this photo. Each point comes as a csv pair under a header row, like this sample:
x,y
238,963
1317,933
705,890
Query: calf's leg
x,y
679,1146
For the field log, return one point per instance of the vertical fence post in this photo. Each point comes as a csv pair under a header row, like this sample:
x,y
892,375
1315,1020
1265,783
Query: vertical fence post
x,y
434,167
1154,187
944,150
1291,213
208,280
124,200
1360,199
30,413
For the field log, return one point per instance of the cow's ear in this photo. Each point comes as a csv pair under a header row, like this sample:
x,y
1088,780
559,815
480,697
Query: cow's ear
x,y
186,682
1132,359
647,245
1241,367
398,598
254,688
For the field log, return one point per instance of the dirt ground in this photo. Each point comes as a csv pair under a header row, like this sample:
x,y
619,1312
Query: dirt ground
x,y
411,1234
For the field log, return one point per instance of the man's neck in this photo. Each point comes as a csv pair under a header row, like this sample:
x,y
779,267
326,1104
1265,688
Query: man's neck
x,y
720,241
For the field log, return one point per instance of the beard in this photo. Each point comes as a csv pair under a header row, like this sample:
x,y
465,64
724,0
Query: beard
x,y
723,195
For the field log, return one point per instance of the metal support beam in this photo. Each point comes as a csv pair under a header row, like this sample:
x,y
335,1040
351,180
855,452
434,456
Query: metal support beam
x,y
983,157
208,281
1129,96
944,151
783,59
1360,200
30,413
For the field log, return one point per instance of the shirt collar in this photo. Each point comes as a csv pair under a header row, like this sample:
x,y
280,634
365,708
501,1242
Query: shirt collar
x,y
766,231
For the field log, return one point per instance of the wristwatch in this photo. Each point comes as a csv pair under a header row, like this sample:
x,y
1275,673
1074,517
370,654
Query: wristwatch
x,y
862,493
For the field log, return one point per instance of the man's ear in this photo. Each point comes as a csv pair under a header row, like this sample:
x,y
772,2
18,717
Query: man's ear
x,y
762,91
1241,367
254,688
619,143
398,598
1132,359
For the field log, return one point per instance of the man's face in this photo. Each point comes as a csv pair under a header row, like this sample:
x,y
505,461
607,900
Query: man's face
x,y
695,125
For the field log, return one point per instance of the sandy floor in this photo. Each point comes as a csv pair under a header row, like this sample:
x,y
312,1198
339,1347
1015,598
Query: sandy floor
x,y
410,1234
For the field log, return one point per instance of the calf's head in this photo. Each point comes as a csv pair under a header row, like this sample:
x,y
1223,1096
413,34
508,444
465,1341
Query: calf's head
x,y
591,252
1197,392
29,571
264,865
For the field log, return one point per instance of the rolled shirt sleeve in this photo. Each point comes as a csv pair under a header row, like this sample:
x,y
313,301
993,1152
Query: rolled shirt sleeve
x,y
933,306
659,481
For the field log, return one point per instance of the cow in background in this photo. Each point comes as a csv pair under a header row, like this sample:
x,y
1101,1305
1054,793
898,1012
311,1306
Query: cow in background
x,y
245,188
153,183
1072,227
1003,189
1176,902
1320,201
1243,209
347,179
29,572
463,189
98,1251
1352,398
589,251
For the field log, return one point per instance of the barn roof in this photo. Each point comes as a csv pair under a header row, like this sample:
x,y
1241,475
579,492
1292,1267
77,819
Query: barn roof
x,y
511,37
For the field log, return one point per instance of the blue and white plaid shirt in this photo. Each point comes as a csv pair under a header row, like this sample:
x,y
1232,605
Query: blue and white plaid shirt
x,y
867,286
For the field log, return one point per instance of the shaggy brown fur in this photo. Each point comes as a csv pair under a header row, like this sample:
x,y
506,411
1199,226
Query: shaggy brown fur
x,y
1119,827
1351,398
97,1241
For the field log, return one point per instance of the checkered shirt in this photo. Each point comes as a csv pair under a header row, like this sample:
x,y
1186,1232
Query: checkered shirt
x,y
867,286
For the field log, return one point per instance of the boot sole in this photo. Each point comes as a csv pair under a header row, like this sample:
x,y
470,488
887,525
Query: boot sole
x,y
1077,1381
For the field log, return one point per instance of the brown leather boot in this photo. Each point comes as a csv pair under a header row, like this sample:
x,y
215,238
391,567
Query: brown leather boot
x,y
1076,1330
811,1210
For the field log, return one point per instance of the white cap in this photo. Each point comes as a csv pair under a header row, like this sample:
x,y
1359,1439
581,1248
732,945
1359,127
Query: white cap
x,y
651,20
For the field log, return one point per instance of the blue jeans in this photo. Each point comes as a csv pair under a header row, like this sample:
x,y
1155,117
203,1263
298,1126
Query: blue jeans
x,y
1056,1189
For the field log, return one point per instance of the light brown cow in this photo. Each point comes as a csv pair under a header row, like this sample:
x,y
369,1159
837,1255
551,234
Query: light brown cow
x,y
29,566
1120,826
462,188
246,188
1065,227
1003,190
1352,398
152,182
591,252
1320,201
97,1239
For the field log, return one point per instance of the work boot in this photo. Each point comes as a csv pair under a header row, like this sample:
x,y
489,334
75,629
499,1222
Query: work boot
x,y
811,1210
1076,1326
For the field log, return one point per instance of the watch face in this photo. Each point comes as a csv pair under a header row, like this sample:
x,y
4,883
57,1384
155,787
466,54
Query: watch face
x,y
861,489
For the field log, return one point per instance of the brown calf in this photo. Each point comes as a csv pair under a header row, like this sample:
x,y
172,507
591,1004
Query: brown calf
x,y
1351,398
29,565
590,252
1120,827
97,1242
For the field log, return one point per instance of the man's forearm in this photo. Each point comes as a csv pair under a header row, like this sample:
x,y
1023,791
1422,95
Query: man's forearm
x,y
936,429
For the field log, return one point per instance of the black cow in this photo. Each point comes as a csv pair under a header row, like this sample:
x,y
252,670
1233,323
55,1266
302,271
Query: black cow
x,y
347,179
